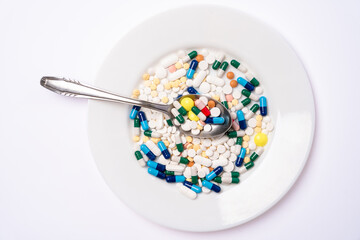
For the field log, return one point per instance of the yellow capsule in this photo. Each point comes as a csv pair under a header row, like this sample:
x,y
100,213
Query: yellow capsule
x,y
189,139
156,81
245,144
196,147
136,138
145,139
234,102
216,97
136,92
186,66
178,65
258,118
183,79
260,139
257,129
246,138
192,116
154,93
146,76
165,100
168,86
246,159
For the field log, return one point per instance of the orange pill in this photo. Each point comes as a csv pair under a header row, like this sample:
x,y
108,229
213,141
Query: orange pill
x,y
210,169
172,68
190,164
211,104
199,58
233,83
230,75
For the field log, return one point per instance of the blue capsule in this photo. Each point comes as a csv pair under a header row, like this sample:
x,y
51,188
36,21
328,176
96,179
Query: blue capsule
x,y
241,119
165,152
176,178
215,120
147,152
193,187
134,112
245,84
143,121
192,68
156,166
211,186
214,173
192,90
156,173
263,106
240,159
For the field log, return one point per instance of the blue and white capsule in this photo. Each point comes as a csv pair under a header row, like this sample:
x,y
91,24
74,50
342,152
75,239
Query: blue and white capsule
x,y
215,120
214,173
263,106
156,173
164,151
147,152
245,84
192,90
177,178
241,119
193,187
143,120
134,112
240,159
158,166
192,68
211,186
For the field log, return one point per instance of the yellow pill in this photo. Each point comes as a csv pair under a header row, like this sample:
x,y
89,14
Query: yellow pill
x,y
146,76
257,129
183,79
172,84
230,105
234,102
200,127
186,66
187,103
178,65
153,87
134,96
260,139
165,100
246,159
246,138
216,97
245,144
154,93
190,159
166,142
258,118
258,123
156,81
176,84
203,154
136,138
183,86
147,83
192,116
190,146
188,179
195,74
155,140
189,139
196,147
145,139
247,150
168,86
136,92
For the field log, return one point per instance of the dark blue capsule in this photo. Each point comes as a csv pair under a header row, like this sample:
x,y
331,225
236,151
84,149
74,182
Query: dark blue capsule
x,y
134,112
165,152
211,186
156,166
192,68
192,90
156,173
147,152
193,187
263,106
179,178
245,84
240,159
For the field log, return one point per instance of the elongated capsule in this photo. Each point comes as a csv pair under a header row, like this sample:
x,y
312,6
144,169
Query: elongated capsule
x,y
201,105
230,175
172,173
140,158
177,115
194,175
176,75
202,161
226,180
241,119
169,60
245,84
250,95
171,179
224,65
215,80
218,59
150,133
157,166
215,120
168,120
181,160
263,106
214,173
136,127
198,113
240,159
152,146
147,152
134,112
243,103
192,90
186,191
211,186
257,153
223,100
156,173
199,78
252,111
238,144
178,142
193,187
246,167
191,55
235,125
175,168
239,66
234,134
252,79
143,120
192,69
180,108
164,151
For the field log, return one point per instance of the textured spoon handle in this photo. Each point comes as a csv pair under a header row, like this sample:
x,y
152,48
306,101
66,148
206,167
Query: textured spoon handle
x,y
73,88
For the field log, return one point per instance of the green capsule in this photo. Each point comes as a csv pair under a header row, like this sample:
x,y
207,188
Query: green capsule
x,y
138,155
184,160
180,108
192,54
254,108
136,122
150,133
246,92
180,119
249,165
171,173
217,179
224,65
233,180
225,103
254,156
239,141
216,65
246,101
195,110
194,179
232,134
169,122
235,174
235,63
254,82
180,147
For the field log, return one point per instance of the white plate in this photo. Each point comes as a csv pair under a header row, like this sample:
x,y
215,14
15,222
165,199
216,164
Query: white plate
x,y
290,102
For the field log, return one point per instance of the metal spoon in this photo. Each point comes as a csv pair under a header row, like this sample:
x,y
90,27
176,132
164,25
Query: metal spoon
x,y
73,88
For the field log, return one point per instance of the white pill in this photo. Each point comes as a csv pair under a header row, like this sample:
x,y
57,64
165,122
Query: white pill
x,y
205,87
249,131
245,110
195,131
203,65
233,115
232,157
215,112
204,190
259,90
186,191
249,76
203,161
175,168
220,162
186,126
147,90
227,89
209,153
266,119
213,88
201,174
207,128
242,68
221,140
196,140
178,74
252,146
175,152
204,52
215,156
269,126
258,112
210,59
160,88
236,94
191,153
152,124
215,80
199,78
221,149
193,124
206,142
161,72
252,122
229,167
169,60
219,90
231,142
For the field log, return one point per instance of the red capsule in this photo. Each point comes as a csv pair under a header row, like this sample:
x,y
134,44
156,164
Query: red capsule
x,y
201,105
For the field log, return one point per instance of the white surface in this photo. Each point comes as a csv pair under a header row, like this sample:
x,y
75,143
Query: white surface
x,y
49,185
275,171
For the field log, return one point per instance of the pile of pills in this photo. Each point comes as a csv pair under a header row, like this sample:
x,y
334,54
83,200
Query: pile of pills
x,y
200,164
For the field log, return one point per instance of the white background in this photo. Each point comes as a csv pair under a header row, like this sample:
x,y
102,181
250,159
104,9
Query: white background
x,y
49,185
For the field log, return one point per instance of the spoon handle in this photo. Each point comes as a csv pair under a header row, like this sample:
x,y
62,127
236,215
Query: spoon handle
x,y
73,88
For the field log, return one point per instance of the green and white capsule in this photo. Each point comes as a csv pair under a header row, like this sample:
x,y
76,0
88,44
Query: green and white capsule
x,y
178,142
136,127
230,175
168,120
218,59
226,180
243,103
180,108
191,55
194,175
238,144
223,100
252,111
250,95
224,65
172,173
252,79
257,153
177,116
239,66
198,113
140,159
246,167
182,160
234,134
150,133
